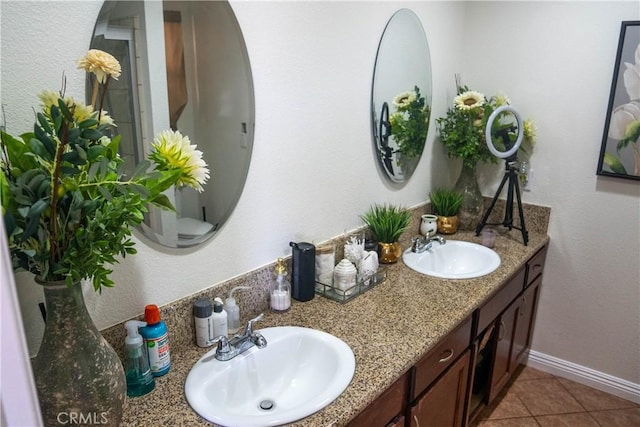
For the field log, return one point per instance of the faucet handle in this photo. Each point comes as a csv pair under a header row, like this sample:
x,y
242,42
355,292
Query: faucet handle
x,y
223,345
416,242
258,340
248,330
225,351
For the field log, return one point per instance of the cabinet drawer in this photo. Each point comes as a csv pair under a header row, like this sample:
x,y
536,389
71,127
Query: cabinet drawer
x,y
440,358
535,265
384,410
501,300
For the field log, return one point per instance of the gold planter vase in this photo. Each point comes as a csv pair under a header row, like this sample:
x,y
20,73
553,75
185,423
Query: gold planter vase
x,y
447,224
389,253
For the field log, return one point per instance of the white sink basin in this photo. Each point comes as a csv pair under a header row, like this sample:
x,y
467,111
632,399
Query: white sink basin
x,y
453,260
299,372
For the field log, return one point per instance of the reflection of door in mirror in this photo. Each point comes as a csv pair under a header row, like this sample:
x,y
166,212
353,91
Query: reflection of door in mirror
x,y
189,70
401,96
176,74
121,100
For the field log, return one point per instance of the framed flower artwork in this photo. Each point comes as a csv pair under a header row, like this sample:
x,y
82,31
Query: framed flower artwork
x,y
620,151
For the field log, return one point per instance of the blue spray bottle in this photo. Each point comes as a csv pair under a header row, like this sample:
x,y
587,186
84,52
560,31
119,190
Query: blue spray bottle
x,y
156,338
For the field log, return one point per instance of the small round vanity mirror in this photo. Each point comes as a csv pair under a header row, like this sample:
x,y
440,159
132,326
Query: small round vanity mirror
x,y
401,96
184,66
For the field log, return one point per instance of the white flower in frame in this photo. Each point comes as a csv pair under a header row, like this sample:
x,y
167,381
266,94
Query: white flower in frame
x,y
632,77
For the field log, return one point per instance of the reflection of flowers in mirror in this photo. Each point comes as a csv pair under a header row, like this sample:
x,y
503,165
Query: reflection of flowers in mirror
x,y
67,204
410,122
625,120
462,130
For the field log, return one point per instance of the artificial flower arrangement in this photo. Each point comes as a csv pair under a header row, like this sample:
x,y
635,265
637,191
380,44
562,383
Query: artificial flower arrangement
x,y
462,130
67,205
410,122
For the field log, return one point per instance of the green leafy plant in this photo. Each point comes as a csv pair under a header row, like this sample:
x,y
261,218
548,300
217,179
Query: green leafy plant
x,y
410,122
446,202
387,222
462,130
67,205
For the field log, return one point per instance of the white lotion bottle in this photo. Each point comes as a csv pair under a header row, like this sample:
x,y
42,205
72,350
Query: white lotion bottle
x,y
203,319
219,319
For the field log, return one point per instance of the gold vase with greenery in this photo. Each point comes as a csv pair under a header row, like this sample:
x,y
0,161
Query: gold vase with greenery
x,y
446,203
387,223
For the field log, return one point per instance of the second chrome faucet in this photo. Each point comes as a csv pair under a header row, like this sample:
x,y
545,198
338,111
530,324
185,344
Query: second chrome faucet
x,y
422,244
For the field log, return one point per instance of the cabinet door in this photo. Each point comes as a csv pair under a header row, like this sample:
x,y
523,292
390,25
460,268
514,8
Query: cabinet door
x,y
502,361
443,404
525,321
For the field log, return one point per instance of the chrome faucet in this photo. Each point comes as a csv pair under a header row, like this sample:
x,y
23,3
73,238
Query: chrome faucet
x,y
228,349
422,244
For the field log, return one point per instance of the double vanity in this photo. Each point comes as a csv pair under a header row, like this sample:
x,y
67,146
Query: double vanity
x,y
418,341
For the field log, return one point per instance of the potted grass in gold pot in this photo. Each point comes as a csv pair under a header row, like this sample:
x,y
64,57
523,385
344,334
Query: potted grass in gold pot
x,y
446,204
387,223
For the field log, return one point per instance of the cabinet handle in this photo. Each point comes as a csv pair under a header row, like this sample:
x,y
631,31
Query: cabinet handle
x,y
501,331
524,306
415,418
448,357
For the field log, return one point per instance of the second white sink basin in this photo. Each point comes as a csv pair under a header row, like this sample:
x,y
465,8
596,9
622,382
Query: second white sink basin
x,y
299,372
453,260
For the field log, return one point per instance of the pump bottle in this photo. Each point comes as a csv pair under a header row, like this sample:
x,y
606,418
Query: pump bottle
x,y
280,289
139,378
219,319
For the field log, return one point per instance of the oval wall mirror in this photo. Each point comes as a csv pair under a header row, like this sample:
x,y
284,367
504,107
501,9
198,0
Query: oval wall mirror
x,y
184,66
401,96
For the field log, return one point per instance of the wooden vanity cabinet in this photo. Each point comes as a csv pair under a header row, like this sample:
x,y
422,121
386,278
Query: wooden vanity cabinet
x,y
509,334
388,409
465,371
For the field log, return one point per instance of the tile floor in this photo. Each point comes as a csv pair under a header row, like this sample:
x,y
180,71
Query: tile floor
x,y
538,399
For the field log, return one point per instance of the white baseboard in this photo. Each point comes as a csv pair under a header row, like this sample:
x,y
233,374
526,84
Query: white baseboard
x,y
583,375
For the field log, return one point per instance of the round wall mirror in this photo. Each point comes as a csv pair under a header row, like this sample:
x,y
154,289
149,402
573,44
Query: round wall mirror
x,y
401,96
184,66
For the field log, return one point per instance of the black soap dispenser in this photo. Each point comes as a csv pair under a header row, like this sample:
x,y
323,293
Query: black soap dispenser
x,y
303,271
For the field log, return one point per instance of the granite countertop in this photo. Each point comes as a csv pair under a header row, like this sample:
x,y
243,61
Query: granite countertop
x,y
388,328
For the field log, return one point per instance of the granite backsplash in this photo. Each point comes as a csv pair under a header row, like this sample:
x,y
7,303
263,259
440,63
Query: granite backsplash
x,y
178,315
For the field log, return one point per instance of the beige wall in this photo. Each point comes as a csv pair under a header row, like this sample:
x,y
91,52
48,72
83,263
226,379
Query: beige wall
x,y
555,60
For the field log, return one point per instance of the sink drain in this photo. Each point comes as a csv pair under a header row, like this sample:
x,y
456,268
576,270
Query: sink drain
x,y
267,405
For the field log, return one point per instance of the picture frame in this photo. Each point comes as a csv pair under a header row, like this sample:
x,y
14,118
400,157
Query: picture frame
x,y
620,150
